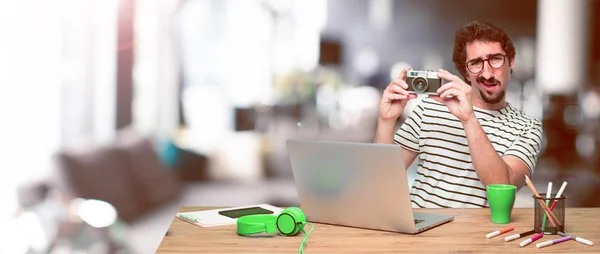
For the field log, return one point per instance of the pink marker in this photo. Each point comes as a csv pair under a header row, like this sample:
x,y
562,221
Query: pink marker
x,y
530,240
558,194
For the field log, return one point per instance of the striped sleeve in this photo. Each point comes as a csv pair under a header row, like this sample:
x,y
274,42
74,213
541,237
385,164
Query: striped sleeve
x,y
408,133
527,146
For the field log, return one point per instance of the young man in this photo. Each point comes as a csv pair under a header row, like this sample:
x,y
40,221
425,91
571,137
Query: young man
x,y
467,136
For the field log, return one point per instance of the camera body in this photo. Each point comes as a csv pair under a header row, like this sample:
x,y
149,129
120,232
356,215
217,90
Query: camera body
x,y
423,81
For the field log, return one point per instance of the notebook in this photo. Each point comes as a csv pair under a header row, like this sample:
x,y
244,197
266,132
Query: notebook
x,y
225,216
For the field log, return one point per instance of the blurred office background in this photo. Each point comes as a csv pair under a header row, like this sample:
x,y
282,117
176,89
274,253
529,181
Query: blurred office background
x,y
116,112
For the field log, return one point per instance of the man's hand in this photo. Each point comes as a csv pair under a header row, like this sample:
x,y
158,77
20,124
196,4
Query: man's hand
x,y
394,99
456,95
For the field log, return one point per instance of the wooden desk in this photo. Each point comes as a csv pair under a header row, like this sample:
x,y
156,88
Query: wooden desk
x,y
465,234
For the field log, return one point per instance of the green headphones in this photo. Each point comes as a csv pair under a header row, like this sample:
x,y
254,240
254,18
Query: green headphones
x,y
288,223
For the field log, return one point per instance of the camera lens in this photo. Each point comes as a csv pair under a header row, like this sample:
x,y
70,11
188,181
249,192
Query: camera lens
x,y
419,84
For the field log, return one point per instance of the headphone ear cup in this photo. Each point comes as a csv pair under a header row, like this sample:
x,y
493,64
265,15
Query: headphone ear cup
x,y
298,213
291,221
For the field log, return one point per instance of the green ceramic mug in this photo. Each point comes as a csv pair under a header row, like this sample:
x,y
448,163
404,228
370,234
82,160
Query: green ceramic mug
x,y
501,198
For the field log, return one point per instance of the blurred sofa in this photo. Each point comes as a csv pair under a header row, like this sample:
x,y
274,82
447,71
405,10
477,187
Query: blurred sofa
x,y
128,173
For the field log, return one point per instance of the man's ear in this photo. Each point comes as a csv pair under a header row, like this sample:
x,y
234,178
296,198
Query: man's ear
x,y
511,65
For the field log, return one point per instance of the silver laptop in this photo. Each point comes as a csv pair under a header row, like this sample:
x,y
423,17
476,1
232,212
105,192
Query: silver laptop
x,y
361,185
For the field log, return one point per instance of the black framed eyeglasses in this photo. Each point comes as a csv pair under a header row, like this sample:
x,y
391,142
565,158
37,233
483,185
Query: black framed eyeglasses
x,y
496,61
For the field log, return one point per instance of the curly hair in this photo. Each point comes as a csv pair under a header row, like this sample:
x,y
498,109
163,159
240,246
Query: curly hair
x,y
483,31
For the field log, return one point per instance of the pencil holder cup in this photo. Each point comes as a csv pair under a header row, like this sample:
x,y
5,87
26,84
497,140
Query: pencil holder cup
x,y
541,222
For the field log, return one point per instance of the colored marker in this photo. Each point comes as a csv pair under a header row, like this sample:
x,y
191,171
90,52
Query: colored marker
x,y
579,239
548,196
558,195
530,240
190,218
498,232
551,215
517,236
551,242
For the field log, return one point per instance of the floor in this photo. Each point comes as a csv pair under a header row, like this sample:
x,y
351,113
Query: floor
x,y
147,233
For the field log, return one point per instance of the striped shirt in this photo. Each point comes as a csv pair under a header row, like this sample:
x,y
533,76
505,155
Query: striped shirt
x,y
445,173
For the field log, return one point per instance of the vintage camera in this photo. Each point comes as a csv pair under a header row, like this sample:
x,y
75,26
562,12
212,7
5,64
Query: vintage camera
x,y
420,81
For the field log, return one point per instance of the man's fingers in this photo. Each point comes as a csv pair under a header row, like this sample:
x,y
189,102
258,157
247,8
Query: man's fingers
x,y
397,93
453,85
446,75
437,98
400,82
402,75
445,87
443,71
395,96
448,92
397,89
453,92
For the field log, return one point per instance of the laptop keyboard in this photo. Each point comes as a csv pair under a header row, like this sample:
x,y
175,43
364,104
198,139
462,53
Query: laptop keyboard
x,y
417,221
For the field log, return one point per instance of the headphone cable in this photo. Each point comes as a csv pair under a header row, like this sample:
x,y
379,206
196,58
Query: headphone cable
x,y
301,251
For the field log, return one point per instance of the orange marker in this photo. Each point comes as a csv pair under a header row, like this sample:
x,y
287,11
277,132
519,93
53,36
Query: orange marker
x,y
498,232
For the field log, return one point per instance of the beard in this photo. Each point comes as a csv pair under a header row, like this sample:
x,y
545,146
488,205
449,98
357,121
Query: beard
x,y
493,98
